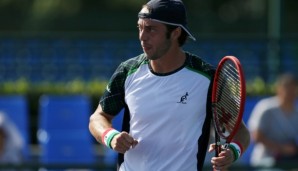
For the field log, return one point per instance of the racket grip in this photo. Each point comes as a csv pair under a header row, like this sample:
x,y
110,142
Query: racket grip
x,y
217,145
217,149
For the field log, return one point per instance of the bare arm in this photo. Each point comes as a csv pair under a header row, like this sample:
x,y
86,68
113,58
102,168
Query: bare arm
x,y
226,157
243,136
100,122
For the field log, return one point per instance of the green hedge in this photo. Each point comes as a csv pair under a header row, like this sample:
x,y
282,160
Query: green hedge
x,y
23,86
254,87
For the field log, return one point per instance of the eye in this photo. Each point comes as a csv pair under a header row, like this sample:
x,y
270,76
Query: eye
x,y
152,29
139,27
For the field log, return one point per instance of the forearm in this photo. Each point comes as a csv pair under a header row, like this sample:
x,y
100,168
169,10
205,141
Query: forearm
x,y
99,125
243,137
228,156
99,122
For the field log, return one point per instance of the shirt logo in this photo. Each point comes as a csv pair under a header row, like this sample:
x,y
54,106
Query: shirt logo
x,y
183,98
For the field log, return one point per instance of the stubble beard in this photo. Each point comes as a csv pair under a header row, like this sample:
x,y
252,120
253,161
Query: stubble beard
x,y
160,51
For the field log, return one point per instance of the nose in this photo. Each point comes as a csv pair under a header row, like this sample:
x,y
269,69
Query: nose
x,y
142,35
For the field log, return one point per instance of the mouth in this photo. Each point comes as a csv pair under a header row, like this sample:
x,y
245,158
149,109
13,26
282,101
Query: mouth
x,y
146,47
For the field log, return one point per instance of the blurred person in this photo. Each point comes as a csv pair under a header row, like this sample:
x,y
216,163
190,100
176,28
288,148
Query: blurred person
x,y
166,95
274,125
11,142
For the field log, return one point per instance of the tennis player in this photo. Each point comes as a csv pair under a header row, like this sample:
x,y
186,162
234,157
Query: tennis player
x,y
166,95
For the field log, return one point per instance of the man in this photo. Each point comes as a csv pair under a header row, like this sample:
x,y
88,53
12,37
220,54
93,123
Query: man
x,y
166,96
273,125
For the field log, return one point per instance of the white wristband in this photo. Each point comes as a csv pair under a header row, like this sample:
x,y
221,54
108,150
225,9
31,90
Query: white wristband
x,y
237,150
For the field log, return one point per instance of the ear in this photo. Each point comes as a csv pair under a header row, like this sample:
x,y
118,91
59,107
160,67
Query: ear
x,y
176,33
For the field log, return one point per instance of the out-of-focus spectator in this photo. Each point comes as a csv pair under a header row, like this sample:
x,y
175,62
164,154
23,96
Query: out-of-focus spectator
x,y
11,142
274,125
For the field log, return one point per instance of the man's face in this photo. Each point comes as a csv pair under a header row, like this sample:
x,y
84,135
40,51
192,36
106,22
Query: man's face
x,y
152,35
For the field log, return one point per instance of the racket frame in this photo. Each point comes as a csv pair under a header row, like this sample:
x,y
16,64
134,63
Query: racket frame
x,y
218,133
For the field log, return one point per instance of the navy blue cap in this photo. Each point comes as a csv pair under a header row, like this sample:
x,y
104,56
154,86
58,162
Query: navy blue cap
x,y
171,12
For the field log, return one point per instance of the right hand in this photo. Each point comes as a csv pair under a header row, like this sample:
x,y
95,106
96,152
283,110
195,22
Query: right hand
x,y
123,142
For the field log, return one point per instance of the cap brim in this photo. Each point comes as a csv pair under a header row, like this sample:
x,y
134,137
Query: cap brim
x,y
183,27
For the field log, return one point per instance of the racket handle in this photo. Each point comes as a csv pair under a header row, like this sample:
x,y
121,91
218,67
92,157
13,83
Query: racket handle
x,y
217,145
217,149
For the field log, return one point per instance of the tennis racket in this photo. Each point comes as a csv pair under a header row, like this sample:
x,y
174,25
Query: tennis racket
x,y
228,98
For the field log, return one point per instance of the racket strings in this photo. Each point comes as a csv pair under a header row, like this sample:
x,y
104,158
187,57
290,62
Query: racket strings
x,y
229,97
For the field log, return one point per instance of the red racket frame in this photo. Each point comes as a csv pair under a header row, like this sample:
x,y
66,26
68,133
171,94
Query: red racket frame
x,y
242,100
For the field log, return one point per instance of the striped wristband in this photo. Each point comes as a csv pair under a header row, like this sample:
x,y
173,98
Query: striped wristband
x,y
236,148
108,135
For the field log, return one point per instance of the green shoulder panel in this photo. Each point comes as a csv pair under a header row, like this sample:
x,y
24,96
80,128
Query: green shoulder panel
x,y
198,65
112,100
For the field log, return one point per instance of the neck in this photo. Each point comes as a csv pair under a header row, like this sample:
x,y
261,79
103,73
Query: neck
x,y
169,62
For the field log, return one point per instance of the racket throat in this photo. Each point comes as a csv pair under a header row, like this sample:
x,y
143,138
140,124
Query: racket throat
x,y
225,146
222,146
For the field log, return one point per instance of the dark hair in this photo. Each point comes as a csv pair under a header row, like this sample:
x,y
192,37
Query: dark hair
x,y
183,36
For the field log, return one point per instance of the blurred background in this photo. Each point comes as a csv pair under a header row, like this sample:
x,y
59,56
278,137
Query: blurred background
x,y
57,55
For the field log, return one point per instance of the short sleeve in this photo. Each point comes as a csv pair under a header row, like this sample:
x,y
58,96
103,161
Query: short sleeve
x,y
112,100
